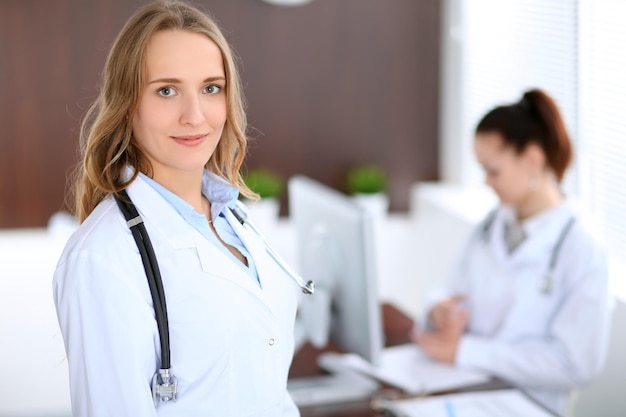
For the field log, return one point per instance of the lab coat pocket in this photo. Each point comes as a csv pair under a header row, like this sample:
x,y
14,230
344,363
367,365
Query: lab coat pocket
x,y
200,324
201,352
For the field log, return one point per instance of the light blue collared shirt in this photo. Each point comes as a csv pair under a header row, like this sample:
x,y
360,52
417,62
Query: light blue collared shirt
x,y
222,196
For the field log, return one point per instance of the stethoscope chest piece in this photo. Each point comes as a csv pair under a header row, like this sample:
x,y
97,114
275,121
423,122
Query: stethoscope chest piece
x,y
546,284
164,387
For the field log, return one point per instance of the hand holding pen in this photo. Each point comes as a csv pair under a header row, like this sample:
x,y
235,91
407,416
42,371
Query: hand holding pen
x,y
450,315
449,319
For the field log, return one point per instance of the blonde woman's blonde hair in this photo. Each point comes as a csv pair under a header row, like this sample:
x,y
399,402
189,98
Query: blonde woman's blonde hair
x,y
106,139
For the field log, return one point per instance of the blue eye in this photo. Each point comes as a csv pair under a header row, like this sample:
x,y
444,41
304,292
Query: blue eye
x,y
166,91
212,89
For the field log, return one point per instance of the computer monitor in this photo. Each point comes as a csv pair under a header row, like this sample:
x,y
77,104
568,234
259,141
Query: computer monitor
x,y
336,249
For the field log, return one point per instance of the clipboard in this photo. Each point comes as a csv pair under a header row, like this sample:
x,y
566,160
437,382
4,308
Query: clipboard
x,y
498,403
408,368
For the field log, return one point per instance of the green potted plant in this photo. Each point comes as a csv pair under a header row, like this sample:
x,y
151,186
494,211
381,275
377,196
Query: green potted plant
x,y
368,185
265,183
269,186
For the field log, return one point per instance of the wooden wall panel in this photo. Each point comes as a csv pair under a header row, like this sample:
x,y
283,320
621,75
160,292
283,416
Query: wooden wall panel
x,y
329,85
51,55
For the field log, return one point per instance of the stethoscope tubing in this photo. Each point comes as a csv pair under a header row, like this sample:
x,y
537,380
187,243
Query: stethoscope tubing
x,y
308,287
153,274
559,243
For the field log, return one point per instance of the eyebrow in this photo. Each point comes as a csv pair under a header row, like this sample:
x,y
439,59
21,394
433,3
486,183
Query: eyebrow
x,y
178,81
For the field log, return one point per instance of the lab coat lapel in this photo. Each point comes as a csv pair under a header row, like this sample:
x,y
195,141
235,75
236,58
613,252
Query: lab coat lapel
x,y
534,247
160,217
264,264
496,240
215,262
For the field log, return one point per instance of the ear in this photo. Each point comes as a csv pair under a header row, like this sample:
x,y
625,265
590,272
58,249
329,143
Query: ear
x,y
534,158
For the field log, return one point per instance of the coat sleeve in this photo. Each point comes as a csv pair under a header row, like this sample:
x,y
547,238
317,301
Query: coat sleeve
x,y
573,350
108,327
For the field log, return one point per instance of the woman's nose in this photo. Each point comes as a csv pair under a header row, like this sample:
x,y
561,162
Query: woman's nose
x,y
192,112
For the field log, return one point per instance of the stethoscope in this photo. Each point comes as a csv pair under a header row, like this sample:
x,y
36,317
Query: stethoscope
x,y
547,282
164,383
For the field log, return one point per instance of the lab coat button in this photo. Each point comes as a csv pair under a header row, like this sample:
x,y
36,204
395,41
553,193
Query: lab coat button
x,y
272,342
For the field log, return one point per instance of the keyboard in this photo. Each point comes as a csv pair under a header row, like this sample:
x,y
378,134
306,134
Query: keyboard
x,y
329,389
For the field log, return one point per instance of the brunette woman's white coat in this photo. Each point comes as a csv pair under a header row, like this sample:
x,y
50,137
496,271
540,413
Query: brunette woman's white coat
x,y
546,343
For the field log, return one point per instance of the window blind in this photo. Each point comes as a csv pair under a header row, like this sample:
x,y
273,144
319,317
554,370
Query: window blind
x,y
602,147
509,47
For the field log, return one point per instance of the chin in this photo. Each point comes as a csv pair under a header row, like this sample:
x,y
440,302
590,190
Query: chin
x,y
505,201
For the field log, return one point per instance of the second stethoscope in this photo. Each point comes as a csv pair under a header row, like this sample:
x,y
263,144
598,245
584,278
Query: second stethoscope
x,y
164,383
547,282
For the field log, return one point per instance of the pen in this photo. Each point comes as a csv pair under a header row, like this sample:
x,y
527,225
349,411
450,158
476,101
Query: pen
x,y
450,409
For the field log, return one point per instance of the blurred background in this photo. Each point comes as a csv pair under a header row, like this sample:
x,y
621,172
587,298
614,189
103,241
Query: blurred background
x,y
330,85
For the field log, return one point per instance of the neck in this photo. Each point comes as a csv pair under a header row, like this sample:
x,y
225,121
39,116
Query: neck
x,y
186,185
546,196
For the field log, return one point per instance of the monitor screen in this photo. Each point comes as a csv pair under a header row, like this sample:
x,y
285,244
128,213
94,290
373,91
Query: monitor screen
x,y
336,249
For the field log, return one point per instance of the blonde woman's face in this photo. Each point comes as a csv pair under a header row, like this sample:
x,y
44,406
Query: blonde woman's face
x,y
506,172
182,110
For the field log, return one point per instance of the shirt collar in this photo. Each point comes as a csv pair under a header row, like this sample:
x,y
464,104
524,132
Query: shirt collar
x,y
534,223
218,191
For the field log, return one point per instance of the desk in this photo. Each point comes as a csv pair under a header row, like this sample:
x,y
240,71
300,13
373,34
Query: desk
x,y
396,329
396,326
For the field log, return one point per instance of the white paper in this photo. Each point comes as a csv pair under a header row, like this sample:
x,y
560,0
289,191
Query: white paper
x,y
502,403
408,368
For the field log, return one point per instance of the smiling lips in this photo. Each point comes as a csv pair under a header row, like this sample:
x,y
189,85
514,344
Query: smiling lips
x,y
192,140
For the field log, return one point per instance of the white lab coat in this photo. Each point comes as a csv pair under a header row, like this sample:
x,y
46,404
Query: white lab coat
x,y
545,343
231,340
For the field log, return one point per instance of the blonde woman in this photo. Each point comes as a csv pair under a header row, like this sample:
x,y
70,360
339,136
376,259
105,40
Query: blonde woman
x,y
167,135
